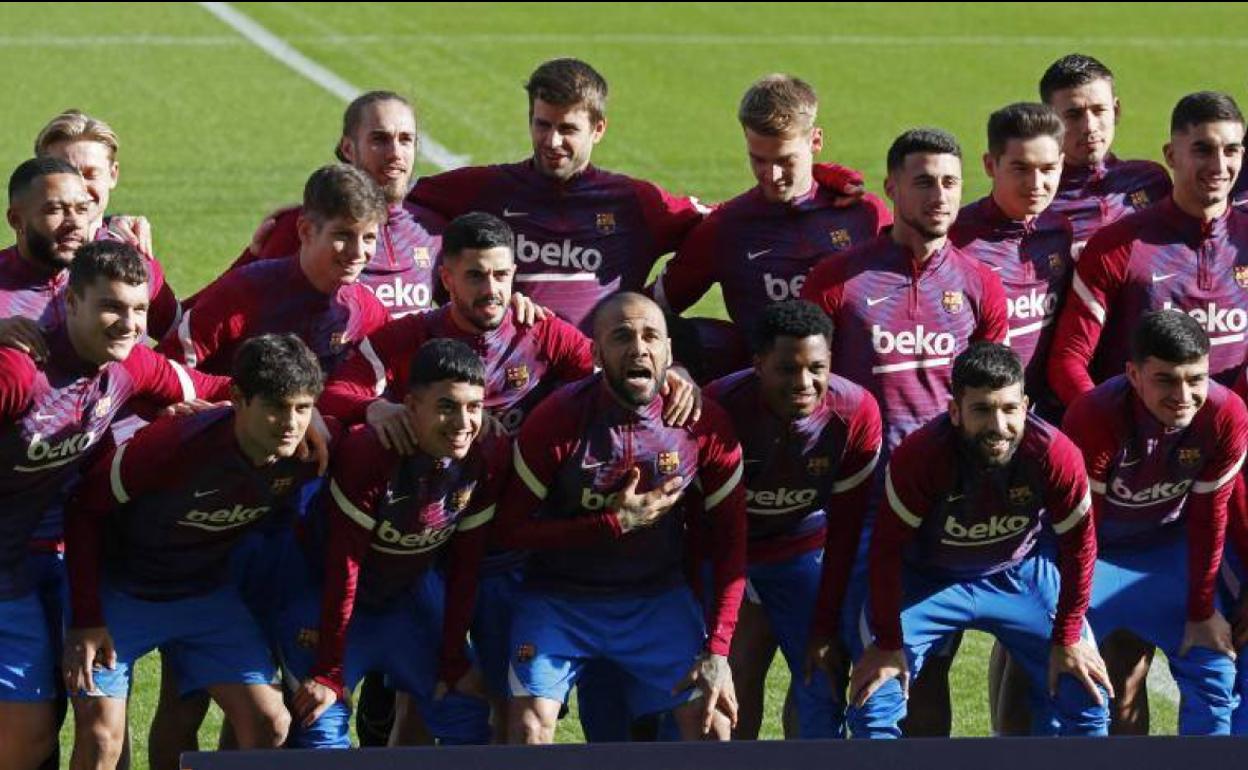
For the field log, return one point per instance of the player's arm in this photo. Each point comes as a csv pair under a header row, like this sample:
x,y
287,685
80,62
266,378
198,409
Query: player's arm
x,y
846,511
163,382
216,320
720,471
825,285
451,193
1068,503
569,351
164,311
1099,276
690,272
1207,509
669,218
883,215
993,323
17,378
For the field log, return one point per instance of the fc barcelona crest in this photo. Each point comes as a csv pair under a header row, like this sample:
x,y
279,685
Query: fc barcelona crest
x,y
517,376
420,255
668,462
102,406
281,485
1020,495
605,223
460,498
951,301
1139,199
818,466
1189,457
1241,276
840,238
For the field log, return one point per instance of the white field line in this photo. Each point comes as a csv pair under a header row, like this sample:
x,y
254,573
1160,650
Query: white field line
x,y
279,49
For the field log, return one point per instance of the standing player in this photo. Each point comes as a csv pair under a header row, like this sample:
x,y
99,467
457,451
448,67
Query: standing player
x,y
1189,252
958,546
388,525
810,441
1013,231
315,294
90,145
903,306
759,246
1163,447
172,521
379,137
52,415
596,493
581,233
1097,188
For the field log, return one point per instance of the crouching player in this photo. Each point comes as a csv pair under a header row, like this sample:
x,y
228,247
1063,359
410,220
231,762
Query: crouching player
x,y
173,502
387,527
957,547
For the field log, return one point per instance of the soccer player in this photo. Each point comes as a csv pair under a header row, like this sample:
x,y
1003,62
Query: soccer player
x,y
53,414
1013,231
90,145
1097,187
903,306
581,232
810,441
1189,252
1163,447
759,246
379,137
958,545
172,519
315,294
389,520
596,494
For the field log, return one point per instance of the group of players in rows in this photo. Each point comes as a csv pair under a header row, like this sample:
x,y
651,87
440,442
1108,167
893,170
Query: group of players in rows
x,y
466,453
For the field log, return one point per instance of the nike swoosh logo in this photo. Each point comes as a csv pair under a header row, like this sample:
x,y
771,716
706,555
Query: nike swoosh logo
x,y
508,213
756,254
205,494
878,300
1126,464
1159,278
995,268
43,417
394,500
954,498
591,466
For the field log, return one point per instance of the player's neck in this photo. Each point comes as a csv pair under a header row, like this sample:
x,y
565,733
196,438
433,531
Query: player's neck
x,y
1013,216
324,285
258,456
41,267
1193,208
463,324
921,246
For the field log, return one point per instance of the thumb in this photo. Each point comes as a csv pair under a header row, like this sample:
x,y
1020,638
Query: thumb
x,y
631,480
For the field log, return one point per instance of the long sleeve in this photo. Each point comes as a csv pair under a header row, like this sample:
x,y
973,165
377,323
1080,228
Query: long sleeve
x,y
1068,506
720,473
377,364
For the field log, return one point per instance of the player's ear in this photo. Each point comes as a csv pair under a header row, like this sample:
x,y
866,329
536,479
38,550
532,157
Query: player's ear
x,y
596,352
990,165
345,151
955,414
816,140
236,396
598,130
1117,110
14,218
114,174
1167,150
306,228
1133,375
890,186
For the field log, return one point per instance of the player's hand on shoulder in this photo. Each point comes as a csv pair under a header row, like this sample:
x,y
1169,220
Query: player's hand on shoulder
x,y
86,648
136,231
635,510
25,335
873,669
527,311
183,408
1082,661
263,230
847,184
682,398
393,426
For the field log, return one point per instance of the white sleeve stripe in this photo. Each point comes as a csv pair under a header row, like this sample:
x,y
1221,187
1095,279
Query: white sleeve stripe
x,y
184,337
1084,293
895,503
114,476
844,485
475,520
530,480
1081,510
718,496
184,379
349,508
379,369
1205,487
1098,487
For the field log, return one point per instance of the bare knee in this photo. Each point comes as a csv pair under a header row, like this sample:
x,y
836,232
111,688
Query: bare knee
x,y
529,724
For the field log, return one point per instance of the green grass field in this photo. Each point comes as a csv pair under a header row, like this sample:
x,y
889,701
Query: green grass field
x,y
215,133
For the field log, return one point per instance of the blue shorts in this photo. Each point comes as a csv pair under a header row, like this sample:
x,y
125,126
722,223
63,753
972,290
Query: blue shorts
x,y
402,642
491,626
1017,606
788,591
27,655
1143,589
51,585
654,640
1231,579
211,639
